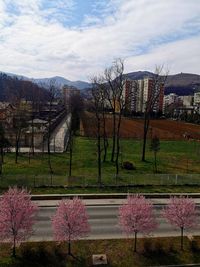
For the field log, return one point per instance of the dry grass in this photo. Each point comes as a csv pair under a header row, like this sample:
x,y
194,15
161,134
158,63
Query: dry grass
x,y
151,252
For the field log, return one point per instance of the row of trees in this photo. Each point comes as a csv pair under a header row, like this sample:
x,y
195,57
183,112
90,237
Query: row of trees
x,y
18,214
108,94
26,100
29,102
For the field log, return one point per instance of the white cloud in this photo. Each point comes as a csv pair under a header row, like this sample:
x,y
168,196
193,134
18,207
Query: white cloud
x,y
145,32
179,56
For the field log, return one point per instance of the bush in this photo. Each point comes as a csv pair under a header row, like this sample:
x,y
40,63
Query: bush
x,y
9,262
42,254
147,247
128,165
194,246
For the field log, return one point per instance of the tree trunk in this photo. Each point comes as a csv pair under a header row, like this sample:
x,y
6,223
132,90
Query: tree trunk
x,y
17,147
135,242
70,158
32,138
1,161
99,152
49,152
1,166
118,146
155,161
105,140
105,144
146,127
50,167
14,248
181,238
114,137
2,155
69,248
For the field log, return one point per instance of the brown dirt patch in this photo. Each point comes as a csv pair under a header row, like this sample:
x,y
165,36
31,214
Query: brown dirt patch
x,y
133,128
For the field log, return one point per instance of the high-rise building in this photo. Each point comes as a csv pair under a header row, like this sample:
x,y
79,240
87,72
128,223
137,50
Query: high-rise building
x,y
139,93
197,99
153,95
68,92
130,95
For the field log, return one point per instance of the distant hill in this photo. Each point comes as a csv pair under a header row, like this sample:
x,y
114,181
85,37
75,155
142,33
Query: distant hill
x,y
181,84
13,88
60,81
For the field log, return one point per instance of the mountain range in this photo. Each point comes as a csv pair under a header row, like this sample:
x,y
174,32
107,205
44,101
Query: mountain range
x,y
60,81
181,83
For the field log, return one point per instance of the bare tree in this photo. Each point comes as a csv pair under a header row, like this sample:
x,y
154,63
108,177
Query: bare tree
x,y
3,144
74,110
35,103
98,106
155,147
155,92
21,111
53,95
115,79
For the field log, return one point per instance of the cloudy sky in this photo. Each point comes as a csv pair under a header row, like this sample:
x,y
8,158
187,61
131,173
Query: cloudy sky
x,y
78,38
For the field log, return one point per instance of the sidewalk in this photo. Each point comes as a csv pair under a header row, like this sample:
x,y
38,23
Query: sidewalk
x,y
104,202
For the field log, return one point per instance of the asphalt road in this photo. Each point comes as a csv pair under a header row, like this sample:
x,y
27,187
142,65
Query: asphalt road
x,y
104,224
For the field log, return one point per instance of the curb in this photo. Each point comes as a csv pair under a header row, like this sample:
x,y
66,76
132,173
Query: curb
x,y
180,265
110,196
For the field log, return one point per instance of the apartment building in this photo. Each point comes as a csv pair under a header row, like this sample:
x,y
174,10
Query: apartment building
x,y
197,99
139,93
68,92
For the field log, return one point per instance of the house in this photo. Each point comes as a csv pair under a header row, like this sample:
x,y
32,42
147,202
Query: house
x,y
6,114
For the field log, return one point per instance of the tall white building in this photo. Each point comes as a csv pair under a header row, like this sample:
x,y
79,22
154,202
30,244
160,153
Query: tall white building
x,y
137,93
197,99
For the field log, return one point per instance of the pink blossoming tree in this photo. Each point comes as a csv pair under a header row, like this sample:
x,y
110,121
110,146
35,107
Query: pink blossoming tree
x,y
136,216
181,212
17,215
70,221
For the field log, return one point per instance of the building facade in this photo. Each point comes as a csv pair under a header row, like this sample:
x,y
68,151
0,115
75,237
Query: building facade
x,y
68,92
143,93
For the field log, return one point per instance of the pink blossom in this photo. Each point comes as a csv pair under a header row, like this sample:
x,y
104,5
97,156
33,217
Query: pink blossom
x,y
136,216
17,215
70,221
181,212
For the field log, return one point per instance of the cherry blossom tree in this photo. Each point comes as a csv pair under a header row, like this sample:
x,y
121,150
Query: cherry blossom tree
x,y
136,216
181,212
17,215
70,221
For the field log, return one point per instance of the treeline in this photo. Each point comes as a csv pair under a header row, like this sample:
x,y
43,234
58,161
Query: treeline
x,y
11,87
108,93
192,118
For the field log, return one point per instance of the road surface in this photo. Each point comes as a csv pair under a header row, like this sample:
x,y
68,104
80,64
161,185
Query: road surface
x,y
104,223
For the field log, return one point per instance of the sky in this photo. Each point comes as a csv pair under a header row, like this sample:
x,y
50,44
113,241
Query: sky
x,y
77,39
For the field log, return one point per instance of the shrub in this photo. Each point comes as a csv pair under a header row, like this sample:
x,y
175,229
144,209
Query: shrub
x,y
42,254
128,165
147,247
194,246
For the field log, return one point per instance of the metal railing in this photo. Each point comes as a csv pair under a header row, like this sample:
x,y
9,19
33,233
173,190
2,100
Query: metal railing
x,y
32,181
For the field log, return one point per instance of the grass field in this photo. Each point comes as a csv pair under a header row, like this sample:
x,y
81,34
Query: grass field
x,y
151,252
174,157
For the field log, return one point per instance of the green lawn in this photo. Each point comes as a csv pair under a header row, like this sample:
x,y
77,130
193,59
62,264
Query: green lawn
x,y
174,157
150,252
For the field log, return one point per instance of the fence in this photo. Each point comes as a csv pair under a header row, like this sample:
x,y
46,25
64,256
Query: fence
x,y
32,181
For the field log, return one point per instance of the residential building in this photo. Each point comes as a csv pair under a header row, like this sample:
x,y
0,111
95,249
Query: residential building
x,y
6,114
197,99
68,92
139,93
